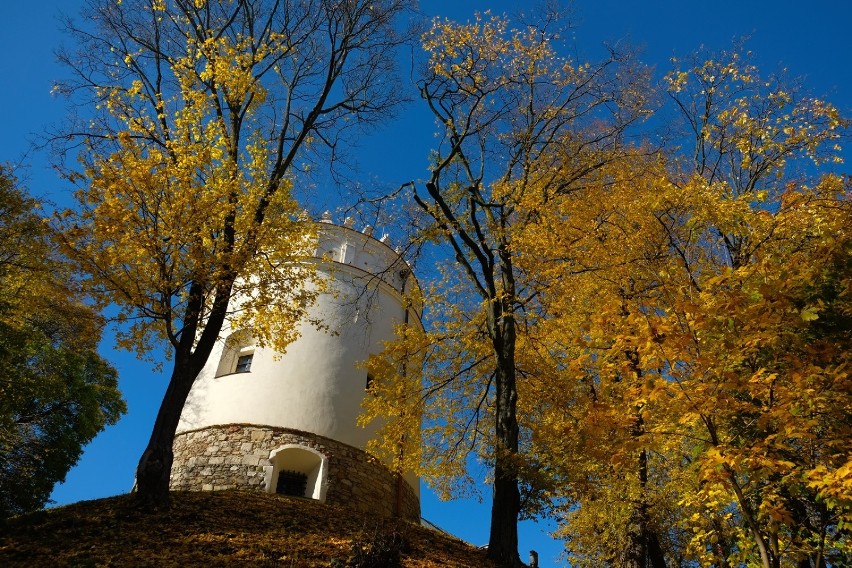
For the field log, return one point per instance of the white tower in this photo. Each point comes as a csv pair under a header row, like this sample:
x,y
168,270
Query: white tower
x,y
287,423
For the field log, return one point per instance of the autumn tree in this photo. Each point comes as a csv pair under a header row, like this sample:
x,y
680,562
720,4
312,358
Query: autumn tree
x,y
702,327
592,255
504,100
199,115
766,221
56,392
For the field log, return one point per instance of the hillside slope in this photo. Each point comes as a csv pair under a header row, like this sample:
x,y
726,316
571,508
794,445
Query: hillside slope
x,y
224,529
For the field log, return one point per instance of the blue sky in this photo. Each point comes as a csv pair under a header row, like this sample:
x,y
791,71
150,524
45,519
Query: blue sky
x,y
811,39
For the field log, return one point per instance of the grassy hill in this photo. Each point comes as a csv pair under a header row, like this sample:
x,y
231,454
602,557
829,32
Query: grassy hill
x,y
225,528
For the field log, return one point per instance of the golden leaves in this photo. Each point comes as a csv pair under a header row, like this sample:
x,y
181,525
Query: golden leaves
x,y
155,217
687,313
749,128
692,309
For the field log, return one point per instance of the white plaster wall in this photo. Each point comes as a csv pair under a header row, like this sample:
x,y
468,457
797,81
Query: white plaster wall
x,y
317,385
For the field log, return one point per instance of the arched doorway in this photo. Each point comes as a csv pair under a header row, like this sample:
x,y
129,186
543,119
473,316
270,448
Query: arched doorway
x,y
298,471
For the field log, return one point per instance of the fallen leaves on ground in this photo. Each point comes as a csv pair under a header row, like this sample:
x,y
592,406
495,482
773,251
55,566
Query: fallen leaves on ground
x,y
219,529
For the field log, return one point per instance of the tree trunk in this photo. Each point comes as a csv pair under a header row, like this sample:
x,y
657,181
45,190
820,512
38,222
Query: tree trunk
x,y
154,470
636,555
506,504
656,556
644,549
643,544
155,465
503,540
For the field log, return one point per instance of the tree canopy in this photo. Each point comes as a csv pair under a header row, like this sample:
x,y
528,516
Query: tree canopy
x,y
664,329
506,103
703,396
56,392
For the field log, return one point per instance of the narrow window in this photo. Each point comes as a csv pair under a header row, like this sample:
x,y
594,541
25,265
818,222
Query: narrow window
x,y
237,354
244,363
369,381
347,253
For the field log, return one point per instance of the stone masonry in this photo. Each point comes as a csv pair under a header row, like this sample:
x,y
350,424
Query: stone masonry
x,y
234,456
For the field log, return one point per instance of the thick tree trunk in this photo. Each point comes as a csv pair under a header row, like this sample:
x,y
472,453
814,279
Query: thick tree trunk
x,y
506,505
656,556
503,540
191,352
643,549
155,466
636,555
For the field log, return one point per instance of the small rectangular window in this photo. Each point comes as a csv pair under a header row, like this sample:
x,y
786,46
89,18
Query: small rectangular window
x,y
244,363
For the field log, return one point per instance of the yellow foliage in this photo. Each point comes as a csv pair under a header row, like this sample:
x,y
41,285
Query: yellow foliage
x,y
680,327
161,226
683,319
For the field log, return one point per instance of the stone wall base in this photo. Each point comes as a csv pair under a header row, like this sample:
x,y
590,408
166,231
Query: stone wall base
x,y
237,456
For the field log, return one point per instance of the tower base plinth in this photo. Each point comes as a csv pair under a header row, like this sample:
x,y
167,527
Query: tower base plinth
x,y
244,456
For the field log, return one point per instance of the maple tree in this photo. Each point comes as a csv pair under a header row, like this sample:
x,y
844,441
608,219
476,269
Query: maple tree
x,y
56,392
204,113
504,100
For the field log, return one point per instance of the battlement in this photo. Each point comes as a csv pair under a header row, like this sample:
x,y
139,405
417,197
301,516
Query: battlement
x,y
361,251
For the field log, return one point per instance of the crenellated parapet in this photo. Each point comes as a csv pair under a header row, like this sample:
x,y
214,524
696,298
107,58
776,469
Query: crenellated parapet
x,y
361,251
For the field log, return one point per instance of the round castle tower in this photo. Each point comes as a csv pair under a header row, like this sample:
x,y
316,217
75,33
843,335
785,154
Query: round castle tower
x,y
287,423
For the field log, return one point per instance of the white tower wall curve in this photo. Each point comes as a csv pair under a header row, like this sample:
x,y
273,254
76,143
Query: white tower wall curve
x,y
254,416
316,386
